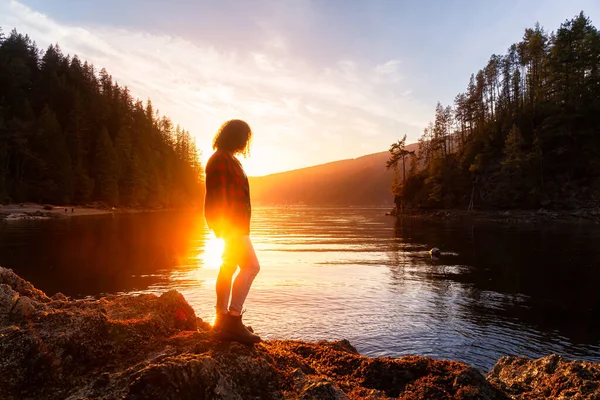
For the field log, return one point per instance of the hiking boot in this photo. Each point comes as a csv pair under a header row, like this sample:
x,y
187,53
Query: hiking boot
x,y
220,321
234,330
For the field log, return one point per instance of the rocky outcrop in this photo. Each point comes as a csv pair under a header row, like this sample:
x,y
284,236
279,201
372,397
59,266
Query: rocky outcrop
x,y
550,377
154,347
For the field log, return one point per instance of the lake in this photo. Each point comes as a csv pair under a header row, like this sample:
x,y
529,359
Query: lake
x,y
354,273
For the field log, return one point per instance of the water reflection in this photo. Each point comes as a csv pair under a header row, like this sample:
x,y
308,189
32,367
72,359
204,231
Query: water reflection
x,y
345,273
511,290
104,254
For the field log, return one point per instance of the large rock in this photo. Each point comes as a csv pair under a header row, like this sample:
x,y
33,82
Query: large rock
x,y
359,377
8,299
21,286
48,347
154,347
551,377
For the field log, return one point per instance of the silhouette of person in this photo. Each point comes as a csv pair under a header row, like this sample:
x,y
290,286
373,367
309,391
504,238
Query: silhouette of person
x,y
227,211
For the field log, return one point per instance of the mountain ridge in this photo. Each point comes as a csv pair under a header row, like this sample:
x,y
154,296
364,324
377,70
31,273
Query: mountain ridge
x,y
360,181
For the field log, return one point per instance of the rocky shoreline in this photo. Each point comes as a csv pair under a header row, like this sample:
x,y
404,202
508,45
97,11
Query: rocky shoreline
x,y
583,215
154,347
31,211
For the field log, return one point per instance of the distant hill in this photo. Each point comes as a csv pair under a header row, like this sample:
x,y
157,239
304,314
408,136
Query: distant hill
x,y
362,181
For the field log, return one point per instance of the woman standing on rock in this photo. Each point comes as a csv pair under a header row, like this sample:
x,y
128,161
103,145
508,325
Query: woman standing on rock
x,y
227,211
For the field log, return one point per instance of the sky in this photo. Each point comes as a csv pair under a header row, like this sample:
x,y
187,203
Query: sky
x,y
317,80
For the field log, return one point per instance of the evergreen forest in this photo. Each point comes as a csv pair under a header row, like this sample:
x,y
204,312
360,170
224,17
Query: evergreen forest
x,y
71,135
524,134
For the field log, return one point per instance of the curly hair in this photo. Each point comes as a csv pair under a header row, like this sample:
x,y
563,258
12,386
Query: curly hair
x,y
234,136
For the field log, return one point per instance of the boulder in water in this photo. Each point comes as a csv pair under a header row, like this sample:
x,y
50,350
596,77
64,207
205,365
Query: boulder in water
x,y
435,252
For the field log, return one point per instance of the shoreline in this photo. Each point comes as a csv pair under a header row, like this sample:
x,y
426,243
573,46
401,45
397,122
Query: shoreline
x,y
591,215
148,346
583,215
34,211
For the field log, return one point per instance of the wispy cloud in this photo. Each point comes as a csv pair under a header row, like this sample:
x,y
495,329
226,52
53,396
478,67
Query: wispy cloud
x,y
303,113
388,72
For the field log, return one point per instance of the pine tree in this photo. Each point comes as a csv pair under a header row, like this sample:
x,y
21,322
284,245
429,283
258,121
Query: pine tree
x,y
60,167
106,176
51,145
398,153
514,156
129,179
51,172
527,128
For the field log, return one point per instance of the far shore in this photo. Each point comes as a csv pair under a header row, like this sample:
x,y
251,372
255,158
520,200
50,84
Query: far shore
x,y
40,211
585,215
581,215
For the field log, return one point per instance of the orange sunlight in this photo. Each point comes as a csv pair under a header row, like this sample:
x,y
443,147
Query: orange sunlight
x,y
259,163
211,256
264,158
253,166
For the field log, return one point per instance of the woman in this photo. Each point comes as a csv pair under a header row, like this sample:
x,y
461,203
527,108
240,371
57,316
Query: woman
x,y
227,211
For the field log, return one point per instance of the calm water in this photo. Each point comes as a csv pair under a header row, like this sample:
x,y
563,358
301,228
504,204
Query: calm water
x,y
346,273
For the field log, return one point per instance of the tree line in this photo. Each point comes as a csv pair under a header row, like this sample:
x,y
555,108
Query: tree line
x,y
72,135
526,133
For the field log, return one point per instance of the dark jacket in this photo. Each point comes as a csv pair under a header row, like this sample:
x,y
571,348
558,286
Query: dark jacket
x,y
227,204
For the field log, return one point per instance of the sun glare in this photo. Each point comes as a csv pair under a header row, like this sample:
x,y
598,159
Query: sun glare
x,y
213,250
260,162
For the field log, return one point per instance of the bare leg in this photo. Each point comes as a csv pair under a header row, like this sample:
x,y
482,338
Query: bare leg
x,y
228,268
249,268
228,325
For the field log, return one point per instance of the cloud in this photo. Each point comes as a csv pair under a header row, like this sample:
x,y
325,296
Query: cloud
x,y
276,42
291,103
387,72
